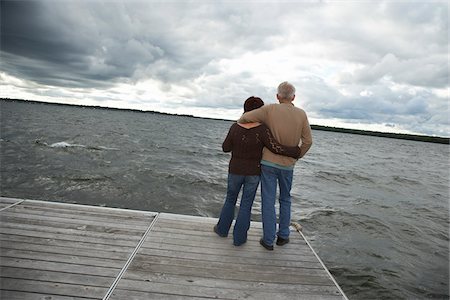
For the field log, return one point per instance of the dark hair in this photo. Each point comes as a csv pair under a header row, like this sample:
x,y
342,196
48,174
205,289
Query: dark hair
x,y
252,103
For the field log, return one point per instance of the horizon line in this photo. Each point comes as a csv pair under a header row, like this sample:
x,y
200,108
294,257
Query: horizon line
x,y
408,136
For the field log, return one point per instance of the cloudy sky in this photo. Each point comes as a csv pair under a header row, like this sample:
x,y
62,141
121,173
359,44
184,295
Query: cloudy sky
x,y
377,65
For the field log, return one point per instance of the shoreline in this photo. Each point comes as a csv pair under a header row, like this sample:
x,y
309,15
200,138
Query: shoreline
x,y
412,137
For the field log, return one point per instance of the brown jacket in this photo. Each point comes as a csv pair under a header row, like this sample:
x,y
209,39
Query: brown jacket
x,y
288,124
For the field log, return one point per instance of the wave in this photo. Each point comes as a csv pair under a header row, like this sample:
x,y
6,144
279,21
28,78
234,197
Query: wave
x,y
338,219
345,178
65,145
405,180
69,145
321,212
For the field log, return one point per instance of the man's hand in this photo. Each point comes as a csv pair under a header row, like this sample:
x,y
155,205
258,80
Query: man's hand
x,y
299,152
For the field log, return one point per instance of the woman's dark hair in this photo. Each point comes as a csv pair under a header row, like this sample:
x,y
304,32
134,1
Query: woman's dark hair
x,y
252,103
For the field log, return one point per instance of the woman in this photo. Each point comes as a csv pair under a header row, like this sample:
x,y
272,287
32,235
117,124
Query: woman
x,y
246,141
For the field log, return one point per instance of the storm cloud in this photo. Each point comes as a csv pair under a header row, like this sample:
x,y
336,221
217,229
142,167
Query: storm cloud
x,y
369,63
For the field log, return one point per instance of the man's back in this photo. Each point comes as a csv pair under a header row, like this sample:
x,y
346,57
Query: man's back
x,y
288,124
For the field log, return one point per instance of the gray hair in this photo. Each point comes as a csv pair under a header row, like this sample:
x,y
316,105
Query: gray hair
x,y
286,91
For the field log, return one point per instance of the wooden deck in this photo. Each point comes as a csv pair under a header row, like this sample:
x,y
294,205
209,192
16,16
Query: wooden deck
x,y
52,250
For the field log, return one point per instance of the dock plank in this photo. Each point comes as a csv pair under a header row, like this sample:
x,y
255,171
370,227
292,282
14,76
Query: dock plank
x,y
252,244
48,248
230,259
151,289
106,240
51,288
89,231
61,219
74,244
232,284
18,295
22,263
54,276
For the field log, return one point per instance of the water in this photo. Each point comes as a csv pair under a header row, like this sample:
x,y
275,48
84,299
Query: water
x,y
375,209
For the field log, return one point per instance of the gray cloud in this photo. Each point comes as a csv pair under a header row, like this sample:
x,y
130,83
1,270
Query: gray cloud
x,y
416,111
107,41
87,47
425,72
344,58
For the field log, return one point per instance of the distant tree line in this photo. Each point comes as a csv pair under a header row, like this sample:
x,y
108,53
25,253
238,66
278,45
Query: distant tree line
x,y
402,136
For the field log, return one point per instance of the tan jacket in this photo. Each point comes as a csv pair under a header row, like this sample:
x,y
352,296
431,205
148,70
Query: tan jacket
x,y
288,124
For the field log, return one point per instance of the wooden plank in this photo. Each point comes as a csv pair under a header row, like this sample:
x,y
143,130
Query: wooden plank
x,y
58,267
111,222
16,295
211,292
321,279
191,229
84,209
230,259
36,225
51,288
74,259
248,268
178,217
247,250
261,253
57,277
68,237
230,284
37,240
46,248
136,220
176,292
212,241
120,294
75,230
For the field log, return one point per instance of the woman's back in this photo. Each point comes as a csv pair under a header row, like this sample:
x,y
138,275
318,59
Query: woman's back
x,y
246,145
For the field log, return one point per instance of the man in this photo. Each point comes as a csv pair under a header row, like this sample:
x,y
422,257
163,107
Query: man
x,y
290,127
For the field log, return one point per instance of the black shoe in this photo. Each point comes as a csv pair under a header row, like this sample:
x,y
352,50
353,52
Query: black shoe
x,y
239,244
268,247
218,233
281,241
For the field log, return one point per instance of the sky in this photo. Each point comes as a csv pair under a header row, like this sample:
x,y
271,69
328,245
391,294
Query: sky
x,y
372,65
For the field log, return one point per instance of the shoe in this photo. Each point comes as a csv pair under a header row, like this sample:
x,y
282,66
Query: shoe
x,y
239,244
281,241
218,233
268,247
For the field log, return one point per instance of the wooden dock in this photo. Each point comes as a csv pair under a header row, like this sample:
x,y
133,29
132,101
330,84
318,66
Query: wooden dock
x,y
53,250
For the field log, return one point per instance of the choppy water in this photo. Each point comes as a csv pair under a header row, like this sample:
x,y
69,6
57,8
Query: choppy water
x,y
375,209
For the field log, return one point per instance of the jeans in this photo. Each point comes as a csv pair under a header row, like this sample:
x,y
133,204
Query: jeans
x,y
235,182
269,178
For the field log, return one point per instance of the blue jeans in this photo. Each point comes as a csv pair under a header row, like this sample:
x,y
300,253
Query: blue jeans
x,y
269,178
235,182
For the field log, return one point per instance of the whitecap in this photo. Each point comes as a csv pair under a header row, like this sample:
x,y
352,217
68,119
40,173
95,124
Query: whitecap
x,y
65,145
105,148
68,145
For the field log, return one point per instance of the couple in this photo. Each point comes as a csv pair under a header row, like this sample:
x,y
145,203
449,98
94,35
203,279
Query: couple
x,y
266,152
